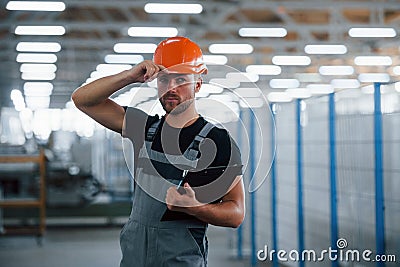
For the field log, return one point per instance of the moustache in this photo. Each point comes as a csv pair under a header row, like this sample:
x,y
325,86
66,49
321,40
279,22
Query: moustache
x,y
169,95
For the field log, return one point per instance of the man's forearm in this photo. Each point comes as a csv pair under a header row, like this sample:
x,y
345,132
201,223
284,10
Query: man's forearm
x,y
226,213
98,91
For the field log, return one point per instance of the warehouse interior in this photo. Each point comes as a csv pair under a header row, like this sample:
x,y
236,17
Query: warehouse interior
x,y
308,89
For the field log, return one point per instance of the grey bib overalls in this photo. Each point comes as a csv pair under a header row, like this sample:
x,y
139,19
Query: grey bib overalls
x,y
145,239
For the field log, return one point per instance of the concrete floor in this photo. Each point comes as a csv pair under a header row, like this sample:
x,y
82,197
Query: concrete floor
x,y
91,246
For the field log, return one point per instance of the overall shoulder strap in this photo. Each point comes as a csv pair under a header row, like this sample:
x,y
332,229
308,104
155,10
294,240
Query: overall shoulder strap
x,y
151,132
193,149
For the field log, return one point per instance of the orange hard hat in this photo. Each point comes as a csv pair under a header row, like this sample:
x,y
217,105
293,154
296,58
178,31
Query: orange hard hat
x,y
180,55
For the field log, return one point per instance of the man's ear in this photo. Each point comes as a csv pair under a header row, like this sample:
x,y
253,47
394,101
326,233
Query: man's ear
x,y
198,83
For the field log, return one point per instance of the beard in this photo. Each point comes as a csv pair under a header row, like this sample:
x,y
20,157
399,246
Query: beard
x,y
175,109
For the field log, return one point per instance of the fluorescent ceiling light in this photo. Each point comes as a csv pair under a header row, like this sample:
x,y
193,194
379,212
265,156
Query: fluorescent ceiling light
x,y
15,94
308,77
373,61
39,58
251,102
397,86
396,70
215,59
88,80
232,106
218,108
299,93
139,94
336,70
230,48
201,94
37,102
112,67
38,47
222,98
291,60
35,6
139,48
38,86
20,107
373,77
17,99
264,69
372,32
27,67
277,97
284,83
320,89
247,92
40,30
211,88
173,8
345,83
97,74
325,49
100,74
125,99
37,93
123,59
45,91
262,32
242,77
234,97
38,76
152,31
224,83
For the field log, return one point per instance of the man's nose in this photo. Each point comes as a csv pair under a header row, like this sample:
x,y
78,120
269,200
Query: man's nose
x,y
171,85
168,87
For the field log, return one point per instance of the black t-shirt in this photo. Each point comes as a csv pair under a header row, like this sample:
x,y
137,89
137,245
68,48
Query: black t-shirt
x,y
137,124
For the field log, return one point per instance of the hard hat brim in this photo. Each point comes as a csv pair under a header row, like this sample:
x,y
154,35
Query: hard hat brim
x,y
188,69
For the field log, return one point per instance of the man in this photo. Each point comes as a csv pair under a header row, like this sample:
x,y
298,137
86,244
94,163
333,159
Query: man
x,y
187,171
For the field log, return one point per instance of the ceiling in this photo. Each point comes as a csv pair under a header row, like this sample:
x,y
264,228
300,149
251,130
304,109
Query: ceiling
x,y
94,27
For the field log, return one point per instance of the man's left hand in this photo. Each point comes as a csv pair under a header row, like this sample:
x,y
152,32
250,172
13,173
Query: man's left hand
x,y
181,202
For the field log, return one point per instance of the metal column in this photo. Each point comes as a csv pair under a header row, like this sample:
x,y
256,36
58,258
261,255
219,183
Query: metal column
x,y
379,194
240,229
300,179
332,155
252,160
273,192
